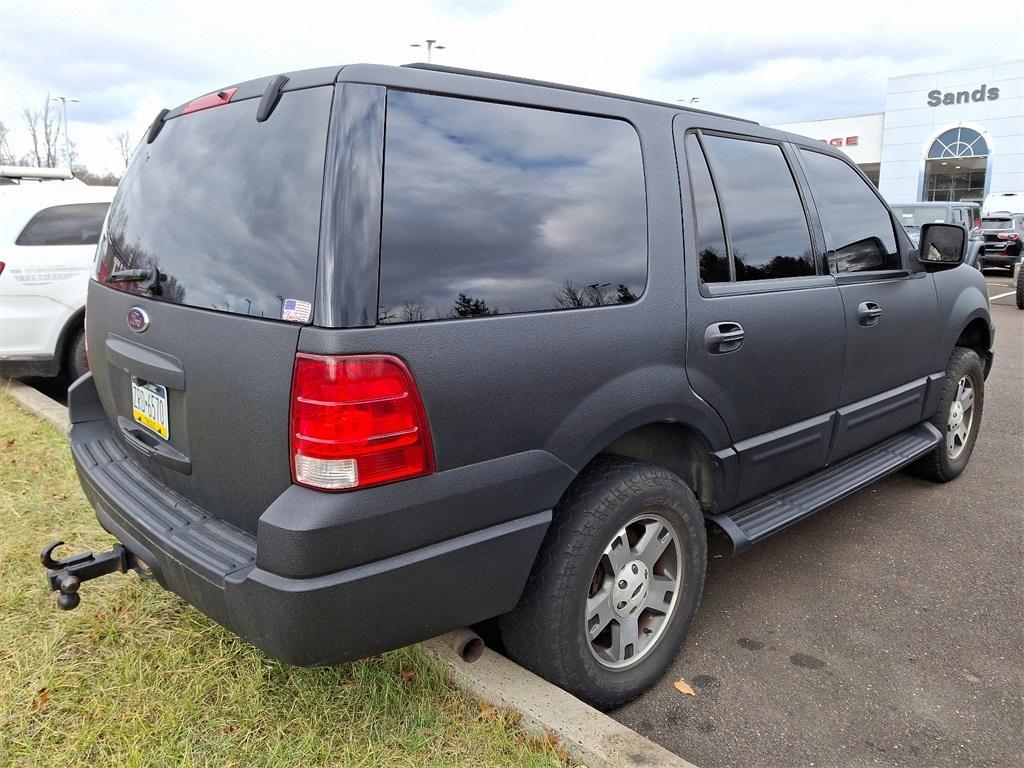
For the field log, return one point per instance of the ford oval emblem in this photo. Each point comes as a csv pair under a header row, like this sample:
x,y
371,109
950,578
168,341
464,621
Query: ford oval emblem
x,y
138,320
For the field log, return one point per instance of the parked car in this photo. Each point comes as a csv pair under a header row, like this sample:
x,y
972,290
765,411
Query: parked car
x,y
1004,240
513,371
1003,202
48,235
968,215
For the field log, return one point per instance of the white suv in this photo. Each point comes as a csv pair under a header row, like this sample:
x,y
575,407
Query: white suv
x,y
49,228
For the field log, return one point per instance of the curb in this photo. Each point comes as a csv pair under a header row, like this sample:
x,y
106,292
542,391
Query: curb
x,y
38,403
588,736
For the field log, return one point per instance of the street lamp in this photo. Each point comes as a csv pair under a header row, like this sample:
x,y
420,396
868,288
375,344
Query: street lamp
x,y
430,46
64,107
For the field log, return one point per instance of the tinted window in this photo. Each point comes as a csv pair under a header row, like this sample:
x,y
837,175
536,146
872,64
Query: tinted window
x,y
494,209
767,227
228,209
997,224
914,215
856,223
78,224
711,250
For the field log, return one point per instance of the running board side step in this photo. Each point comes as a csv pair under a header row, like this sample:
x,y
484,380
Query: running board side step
x,y
777,511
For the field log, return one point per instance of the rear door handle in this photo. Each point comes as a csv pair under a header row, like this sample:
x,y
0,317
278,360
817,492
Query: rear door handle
x,y
720,338
868,313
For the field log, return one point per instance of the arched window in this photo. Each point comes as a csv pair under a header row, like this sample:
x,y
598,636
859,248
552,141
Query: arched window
x,y
958,142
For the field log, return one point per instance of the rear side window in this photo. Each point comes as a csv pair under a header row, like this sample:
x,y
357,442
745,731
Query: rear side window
x,y
856,223
495,209
77,224
767,227
227,208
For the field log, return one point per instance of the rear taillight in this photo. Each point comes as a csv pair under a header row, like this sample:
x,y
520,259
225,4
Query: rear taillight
x,y
2,265
1008,236
356,421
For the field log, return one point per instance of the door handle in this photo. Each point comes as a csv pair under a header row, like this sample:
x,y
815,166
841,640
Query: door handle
x,y
720,338
868,313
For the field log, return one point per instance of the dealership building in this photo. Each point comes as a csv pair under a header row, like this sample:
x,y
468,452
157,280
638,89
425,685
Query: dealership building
x,y
943,136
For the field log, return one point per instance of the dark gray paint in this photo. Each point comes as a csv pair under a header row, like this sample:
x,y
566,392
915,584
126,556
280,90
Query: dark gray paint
x,y
517,405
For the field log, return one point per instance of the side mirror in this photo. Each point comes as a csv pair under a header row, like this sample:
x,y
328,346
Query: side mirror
x,y
942,244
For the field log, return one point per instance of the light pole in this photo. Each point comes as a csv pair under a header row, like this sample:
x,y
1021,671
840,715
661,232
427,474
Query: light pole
x,y
64,107
430,46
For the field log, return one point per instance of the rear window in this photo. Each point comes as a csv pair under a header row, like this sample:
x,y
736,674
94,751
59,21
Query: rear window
x,y
997,223
918,215
496,209
228,209
77,224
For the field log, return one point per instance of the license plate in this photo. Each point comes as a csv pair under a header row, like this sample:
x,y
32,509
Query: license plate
x,y
149,406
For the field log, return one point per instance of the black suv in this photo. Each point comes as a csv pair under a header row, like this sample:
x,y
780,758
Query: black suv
x,y
378,352
1004,240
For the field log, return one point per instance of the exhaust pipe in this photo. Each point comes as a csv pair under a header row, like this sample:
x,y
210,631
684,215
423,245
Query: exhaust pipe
x,y
466,643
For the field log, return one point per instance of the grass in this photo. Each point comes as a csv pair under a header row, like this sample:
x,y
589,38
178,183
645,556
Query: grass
x,y
137,677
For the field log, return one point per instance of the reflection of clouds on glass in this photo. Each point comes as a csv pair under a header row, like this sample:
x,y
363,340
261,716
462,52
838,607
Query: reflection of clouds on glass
x,y
229,208
767,227
504,204
857,226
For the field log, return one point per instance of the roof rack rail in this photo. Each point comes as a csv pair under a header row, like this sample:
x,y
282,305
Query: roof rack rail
x,y
573,88
31,172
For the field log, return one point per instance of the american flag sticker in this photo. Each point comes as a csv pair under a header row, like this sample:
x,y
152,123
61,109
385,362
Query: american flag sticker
x,y
296,311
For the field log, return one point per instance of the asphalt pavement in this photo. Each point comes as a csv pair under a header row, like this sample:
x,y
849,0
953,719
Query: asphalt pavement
x,y
886,631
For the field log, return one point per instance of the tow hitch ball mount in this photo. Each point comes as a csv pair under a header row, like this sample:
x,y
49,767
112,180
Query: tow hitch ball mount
x,y
66,576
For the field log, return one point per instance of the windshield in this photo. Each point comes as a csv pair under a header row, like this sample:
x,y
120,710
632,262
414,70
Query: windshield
x,y
227,209
918,215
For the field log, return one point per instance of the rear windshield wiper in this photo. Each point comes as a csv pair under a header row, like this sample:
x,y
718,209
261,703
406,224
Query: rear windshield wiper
x,y
130,275
148,278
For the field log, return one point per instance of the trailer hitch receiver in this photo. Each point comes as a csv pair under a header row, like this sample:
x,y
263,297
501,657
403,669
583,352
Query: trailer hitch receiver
x,y
66,576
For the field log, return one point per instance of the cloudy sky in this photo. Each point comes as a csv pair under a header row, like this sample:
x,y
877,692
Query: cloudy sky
x,y
771,61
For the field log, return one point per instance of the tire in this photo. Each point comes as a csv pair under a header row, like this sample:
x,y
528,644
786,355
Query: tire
x,y
547,631
1020,288
76,364
944,463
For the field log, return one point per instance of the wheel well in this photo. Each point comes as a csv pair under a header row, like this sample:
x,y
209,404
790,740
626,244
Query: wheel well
x,y
75,323
975,336
677,448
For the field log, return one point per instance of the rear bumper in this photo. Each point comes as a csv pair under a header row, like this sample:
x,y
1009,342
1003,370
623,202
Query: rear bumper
x,y
1006,257
337,614
17,368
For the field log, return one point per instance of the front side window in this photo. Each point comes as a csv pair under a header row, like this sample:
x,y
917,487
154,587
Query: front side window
x,y
497,209
856,223
767,228
78,224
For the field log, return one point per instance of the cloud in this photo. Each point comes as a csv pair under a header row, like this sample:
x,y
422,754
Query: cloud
x,y
771,61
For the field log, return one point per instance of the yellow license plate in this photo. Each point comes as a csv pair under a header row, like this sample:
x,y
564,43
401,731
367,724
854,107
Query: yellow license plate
x,y
149,406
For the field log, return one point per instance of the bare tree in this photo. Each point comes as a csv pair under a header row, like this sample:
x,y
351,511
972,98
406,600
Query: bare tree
x,y
123,140
569,296
6,157
70,152
44,131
